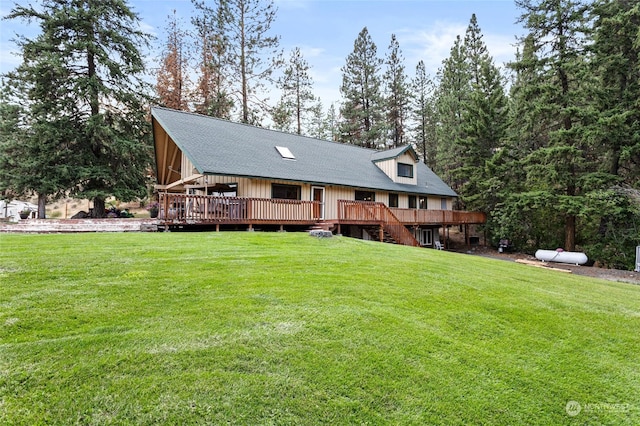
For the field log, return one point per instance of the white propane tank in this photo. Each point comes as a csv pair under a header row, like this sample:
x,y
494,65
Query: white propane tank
x,y
561,256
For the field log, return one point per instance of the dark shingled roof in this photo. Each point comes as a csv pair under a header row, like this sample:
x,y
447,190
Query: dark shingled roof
x,y
222,147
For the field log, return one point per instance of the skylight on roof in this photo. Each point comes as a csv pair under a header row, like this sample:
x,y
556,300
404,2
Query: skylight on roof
x,y
285,152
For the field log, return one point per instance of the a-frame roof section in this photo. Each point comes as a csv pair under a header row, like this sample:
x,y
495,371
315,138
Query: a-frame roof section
x,y
221,147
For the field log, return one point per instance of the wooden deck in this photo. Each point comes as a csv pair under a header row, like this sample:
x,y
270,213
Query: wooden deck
x,y
203,209
439,217
182,209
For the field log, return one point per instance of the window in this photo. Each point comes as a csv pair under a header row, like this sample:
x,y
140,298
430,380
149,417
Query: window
x,y
422,201
405,170
365,196
393,200
443,204
287,192
285,153
412,202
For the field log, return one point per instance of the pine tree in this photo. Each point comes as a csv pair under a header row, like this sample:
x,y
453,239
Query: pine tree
x,y
398,97
616,63
453,90
613,224
212,93
423,114
253,54
172,75
555,171
317,124
363,104
89,50
332,124
281,115
82,80
484,118
34,145
297,89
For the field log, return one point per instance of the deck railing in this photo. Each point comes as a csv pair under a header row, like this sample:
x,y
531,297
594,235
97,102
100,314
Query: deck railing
x,y
372,213
440,217
194,209
183,208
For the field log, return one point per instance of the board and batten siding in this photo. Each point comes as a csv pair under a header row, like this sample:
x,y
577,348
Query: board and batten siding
x,y
186,168
390,168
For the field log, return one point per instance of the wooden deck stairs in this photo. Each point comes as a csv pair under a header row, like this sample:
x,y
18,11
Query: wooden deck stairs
x,y
374,233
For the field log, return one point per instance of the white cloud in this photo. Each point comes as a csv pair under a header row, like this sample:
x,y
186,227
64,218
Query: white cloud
x,y
431,45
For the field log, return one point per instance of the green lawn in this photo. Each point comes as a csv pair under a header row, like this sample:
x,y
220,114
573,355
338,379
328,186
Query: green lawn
x,y
282,328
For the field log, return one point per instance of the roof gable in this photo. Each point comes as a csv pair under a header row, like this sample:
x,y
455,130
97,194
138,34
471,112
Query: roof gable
x,y
394,153
222,147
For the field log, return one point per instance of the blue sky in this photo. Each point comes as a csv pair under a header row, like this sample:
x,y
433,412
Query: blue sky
x,y
326,29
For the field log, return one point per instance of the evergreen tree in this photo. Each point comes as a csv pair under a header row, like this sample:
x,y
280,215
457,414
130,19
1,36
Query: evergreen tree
x,y
484,118
212,93
525,133
332,124
297,89
452,94
424,115
363,104
555,172
317,125
281,115
398,97
612,227
253,54
82,78
171,78
616,63
35,158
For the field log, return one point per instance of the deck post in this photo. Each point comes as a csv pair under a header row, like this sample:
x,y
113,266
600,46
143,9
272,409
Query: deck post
x,y
466,234
217,227
381,235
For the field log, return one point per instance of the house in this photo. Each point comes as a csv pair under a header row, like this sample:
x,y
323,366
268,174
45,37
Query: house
x,y
212,172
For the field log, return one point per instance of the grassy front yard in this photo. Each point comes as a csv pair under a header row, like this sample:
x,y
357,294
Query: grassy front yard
x,y
273,328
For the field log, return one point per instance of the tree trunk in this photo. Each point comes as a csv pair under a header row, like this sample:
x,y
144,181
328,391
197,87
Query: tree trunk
x,y
570,233
42,206
98,208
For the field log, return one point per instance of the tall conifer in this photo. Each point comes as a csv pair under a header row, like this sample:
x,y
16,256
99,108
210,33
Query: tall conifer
x,y
397,93
82,75
362,119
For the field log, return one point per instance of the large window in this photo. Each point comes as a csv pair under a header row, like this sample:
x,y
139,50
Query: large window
x,y
405,170
443,203
365,196
287,192
393,200
412,202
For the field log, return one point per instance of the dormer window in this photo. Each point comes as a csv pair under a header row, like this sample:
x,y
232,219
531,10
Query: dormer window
x,y
405,170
